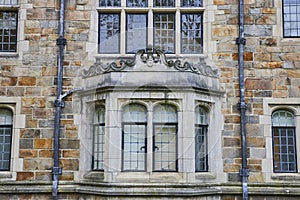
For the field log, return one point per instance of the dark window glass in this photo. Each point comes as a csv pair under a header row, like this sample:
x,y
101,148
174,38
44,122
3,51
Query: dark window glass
x,y
137,3
191,3
110,3
201,157
109,33
191,33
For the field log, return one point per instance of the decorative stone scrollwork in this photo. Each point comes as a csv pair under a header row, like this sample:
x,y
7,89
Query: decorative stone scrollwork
x,y
150,57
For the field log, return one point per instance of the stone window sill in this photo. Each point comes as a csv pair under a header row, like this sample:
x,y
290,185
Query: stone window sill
x,y
286,177
5,175
8,55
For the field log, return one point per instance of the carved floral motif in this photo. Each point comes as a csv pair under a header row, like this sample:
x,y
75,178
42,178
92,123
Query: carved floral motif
x,y
150,57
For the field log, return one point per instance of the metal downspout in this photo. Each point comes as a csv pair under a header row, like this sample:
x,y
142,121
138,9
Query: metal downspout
x,y
59,104
242,105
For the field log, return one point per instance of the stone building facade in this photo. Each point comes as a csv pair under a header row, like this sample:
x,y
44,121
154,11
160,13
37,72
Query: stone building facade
x,y
146,122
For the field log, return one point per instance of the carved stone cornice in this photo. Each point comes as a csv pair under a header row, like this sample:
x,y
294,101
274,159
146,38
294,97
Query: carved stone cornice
x,y
150,57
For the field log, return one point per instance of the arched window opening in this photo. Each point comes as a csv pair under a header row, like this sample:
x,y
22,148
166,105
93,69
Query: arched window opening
x,y
134,148
201,126
165,125
284,142
6,127
98,138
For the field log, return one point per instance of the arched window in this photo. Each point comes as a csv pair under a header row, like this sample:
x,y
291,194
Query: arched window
x,y
99,138
284,141
6,126
134,126
201,125
165,124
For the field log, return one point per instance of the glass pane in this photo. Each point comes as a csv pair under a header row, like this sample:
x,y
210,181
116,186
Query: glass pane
x,y
134,113
200,116
109,38
191,33
110,3
6,117
291,9
164,3
165,147
136,37
191,3
201,148
282,118
284,150
134,147
8,29
99,138
8,2
137,3
164,32
165,113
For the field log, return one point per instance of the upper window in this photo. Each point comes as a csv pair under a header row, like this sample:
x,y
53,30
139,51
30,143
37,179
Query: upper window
x,y
284,141
98,138
201,124
6,122
291,18
8,26
127,26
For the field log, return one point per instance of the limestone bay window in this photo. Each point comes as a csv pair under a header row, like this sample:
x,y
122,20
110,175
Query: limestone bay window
x,y
156,119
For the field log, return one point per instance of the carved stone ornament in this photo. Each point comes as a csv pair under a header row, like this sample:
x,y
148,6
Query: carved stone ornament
x,y
150,57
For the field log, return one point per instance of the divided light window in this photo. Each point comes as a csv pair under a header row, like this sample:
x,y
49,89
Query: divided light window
x,y
6,123
8,25
284,141
98,138
201,124
291,18
174,26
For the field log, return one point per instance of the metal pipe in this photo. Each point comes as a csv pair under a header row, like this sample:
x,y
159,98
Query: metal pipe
x,y
59,104
244,172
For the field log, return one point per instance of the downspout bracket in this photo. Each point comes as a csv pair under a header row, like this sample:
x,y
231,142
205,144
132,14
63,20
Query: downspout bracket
x,y
61,41
244,172
242,105
59,103
57,170
240,41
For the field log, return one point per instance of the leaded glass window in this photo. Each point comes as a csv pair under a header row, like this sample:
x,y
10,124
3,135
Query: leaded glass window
x,y
6,123
8,31
142,23
284,142
291,18
98,138
165,124
134,126
201,124
8,2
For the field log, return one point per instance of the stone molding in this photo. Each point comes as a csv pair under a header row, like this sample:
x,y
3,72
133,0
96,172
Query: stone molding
x,y
150,57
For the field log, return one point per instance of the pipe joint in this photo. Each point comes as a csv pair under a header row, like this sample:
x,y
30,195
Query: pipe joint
x,y
242,105
61,41
244,172
59,103
56,170
240,41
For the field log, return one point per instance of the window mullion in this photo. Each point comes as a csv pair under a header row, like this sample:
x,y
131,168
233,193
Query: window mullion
x,y
150,27
177,31
123,32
